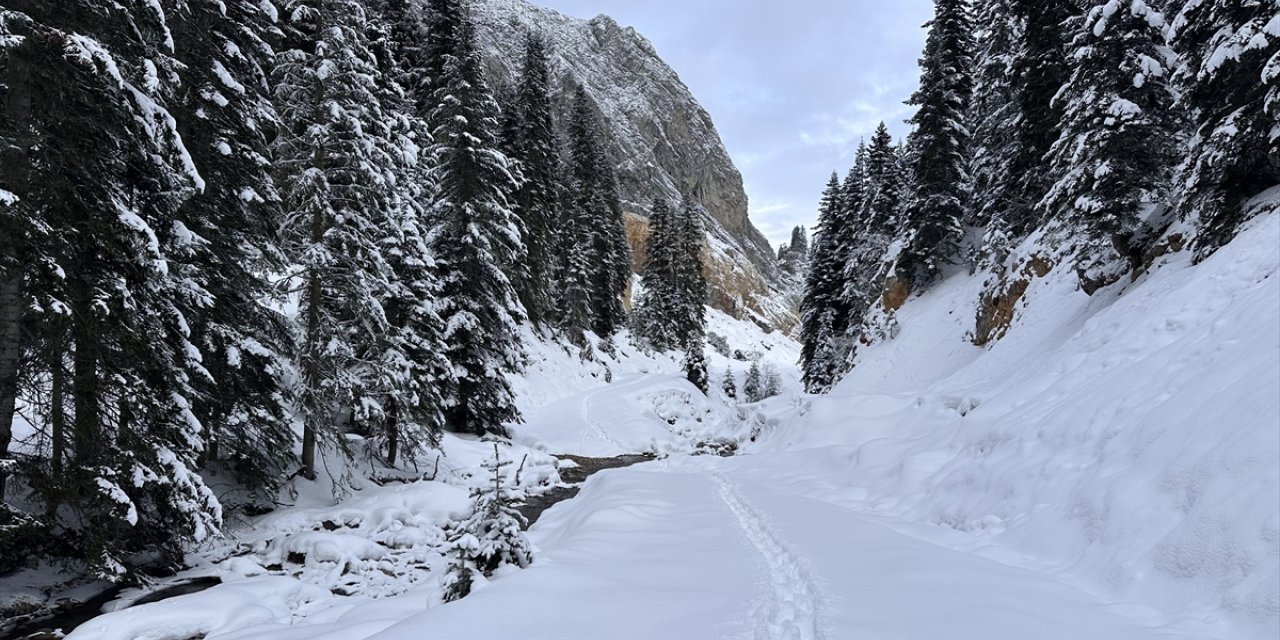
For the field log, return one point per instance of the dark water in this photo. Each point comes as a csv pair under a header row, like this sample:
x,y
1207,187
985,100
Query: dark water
x,y
534,507
73,614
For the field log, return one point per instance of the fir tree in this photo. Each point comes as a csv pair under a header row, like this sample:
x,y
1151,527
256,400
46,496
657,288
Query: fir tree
x,y
671,313
402,412
574,274
695,365
1040,69
225,116
729,385
690,277
867,265
830,358
753,386
534,145
407,35
994,112
416,375
475,240
800,245
599,217
884,182
1117,135
658,305
824,287
93,88
442,37
940,141
491,537
1229,83
860,241
332,155
24,225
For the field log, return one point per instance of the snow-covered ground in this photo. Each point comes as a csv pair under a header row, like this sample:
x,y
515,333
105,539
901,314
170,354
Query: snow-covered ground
x,y
1110,470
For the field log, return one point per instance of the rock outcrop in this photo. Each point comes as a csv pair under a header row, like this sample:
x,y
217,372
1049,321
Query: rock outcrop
x,y
663,142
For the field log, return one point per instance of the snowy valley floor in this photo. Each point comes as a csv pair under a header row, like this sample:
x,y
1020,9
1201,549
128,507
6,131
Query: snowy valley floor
x,y
1111,470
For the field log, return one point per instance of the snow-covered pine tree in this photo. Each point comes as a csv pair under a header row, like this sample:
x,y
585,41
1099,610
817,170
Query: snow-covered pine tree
x,y
993,113
534,145
875,223
857,240
729,385
695,365
849,209
332,156
492,536
573,271
690,278
1229,83
226,117
940,140
753,385
90,86
831,356
672,312
24,225
475,241
1040,69
405,405
824,286
441,37
884,181
1117,137
658,305
406,33
599,211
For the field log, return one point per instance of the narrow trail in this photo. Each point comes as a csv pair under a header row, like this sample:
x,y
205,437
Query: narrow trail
x,y
586,415
791,611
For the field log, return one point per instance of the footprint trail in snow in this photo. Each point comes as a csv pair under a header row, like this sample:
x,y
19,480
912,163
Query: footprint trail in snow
x,y
585,414
791,610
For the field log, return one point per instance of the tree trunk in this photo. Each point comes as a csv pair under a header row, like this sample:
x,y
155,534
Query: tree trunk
x,y
311,378
11,306
15,169
84,386
58,411
393,434
311,373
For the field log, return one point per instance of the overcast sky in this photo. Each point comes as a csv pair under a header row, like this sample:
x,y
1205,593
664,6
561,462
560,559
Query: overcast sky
x,y
792,86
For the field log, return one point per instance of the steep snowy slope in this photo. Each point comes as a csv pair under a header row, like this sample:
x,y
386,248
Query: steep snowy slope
x,y
1129,442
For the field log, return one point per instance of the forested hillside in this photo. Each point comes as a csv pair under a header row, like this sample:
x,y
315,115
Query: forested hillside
x,y
1093,137
239,232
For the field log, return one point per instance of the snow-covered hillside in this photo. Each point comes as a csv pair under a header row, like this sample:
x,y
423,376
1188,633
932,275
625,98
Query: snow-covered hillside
x,y
1129,442
1111,469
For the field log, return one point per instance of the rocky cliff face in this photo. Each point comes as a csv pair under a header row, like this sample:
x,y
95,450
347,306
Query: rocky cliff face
x,y
663,142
